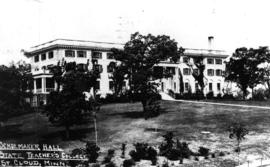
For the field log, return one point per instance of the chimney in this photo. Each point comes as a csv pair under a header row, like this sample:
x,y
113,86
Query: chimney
x,y
210,42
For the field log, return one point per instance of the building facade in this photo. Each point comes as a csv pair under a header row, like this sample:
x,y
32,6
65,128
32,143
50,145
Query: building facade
x,y
59,50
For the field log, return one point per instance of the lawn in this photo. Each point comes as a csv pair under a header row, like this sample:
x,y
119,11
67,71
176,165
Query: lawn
x,y
123,123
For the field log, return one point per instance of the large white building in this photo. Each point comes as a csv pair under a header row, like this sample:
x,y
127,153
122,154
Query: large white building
x,y
50,53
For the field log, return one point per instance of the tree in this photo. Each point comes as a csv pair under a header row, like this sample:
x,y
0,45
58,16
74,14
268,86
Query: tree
x,y
198,73
138,59
16,83
244,68
238,131
69,106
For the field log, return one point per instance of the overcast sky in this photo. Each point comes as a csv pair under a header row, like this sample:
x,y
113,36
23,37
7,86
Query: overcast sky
x,y
233,23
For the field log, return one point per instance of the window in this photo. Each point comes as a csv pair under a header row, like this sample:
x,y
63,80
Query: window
x,y
81,53
38,83
49,83
97,86
174,85
186,71
218,61
210,72
98,67
50,55
36,58
82,67
197,60
210,87
210,61
97,55
218,86
186,86
196,71
218,72
110,68
110,56
111,85
171,70
185,60
69,53
43,56
196,86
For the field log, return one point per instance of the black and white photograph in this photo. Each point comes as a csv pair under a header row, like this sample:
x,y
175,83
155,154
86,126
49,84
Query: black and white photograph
x,y
134,83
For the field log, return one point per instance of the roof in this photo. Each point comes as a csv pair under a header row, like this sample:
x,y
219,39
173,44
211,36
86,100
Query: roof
x,y
72,44
106,46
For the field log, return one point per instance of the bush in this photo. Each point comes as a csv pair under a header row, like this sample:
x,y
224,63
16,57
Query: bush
x,y
210,95
128,163
152,109
143,151
203,151
199,95
260,94
109,156
228,97
171,93
221,154
219,96
110,164
92,151
172,151
111,98
165,164
123,150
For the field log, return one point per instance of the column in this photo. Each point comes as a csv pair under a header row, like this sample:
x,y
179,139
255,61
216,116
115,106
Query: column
x,y
43,85
35,86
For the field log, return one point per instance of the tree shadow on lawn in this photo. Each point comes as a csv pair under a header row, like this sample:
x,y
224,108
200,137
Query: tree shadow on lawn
x,y
13,132
75,134
134,114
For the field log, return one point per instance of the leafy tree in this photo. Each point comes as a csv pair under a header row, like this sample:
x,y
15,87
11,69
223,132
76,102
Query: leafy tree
x,y
69,106
138,59
238,131
198,72
16,85
244,67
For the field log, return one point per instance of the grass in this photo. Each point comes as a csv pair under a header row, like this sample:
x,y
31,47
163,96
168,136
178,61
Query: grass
x,y
118,123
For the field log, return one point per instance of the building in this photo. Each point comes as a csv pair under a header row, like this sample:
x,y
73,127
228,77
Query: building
x,y
52,52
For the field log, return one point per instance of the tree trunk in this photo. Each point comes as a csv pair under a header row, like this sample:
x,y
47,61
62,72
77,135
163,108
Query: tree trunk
x,y
67,132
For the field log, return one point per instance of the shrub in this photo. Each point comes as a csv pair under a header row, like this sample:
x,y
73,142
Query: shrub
x,y
221,154
92,151
219,96
165,164
152,109
259,94
110,164
228,96
143,151
203,151
109,156
128,163
171,93
199,95
172,151
210,95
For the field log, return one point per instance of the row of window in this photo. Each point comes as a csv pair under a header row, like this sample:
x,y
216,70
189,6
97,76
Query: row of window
x,y
210,86
210,72
43,56
71,53
209,60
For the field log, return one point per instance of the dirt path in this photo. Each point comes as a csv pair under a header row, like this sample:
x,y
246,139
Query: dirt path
x,y
223,104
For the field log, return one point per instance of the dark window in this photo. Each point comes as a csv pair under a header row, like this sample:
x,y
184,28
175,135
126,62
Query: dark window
x,y
210,87
218,86
81,53
185,60
210,61
36,58
110,56
111,85
98,68
50,55
38,83
210,72
97,86
197,60
174,85
97,55
110,67
186,71
218,61
69,53
49,83
196,71
171,70
43,56
218,72
187,87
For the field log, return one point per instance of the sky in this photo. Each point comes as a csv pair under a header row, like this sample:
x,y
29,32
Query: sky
x,y
233,23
